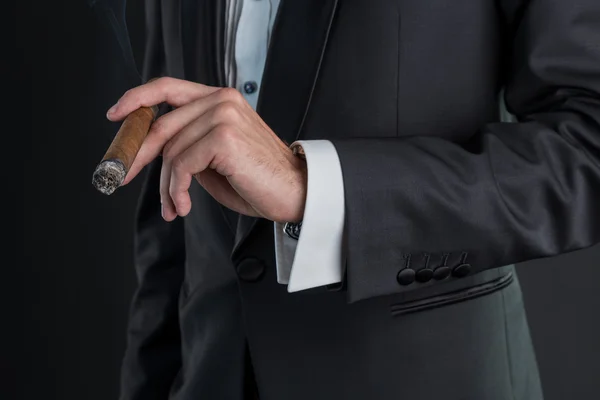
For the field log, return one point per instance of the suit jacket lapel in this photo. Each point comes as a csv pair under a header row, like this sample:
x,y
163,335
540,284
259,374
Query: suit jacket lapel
x,y
296,49
201,24
171,19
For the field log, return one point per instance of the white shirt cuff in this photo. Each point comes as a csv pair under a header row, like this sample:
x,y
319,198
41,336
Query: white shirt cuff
x,y
316,258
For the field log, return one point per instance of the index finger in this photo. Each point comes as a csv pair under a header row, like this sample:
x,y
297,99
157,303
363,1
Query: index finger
x,y
175,92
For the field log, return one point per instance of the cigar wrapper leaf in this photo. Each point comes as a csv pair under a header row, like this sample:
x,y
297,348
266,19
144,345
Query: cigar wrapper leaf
x,y
112,170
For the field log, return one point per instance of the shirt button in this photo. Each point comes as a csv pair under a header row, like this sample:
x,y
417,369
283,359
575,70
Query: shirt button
x,y
250,87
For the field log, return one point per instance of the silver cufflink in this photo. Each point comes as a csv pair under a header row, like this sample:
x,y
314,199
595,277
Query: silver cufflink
x,y
292,229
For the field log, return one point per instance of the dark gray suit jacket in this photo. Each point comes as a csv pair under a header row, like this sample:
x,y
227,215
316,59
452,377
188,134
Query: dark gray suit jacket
x,y
442,198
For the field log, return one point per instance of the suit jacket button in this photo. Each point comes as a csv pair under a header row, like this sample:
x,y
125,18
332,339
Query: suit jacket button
x,y
406,276
441,273
461,270
250,269
424,275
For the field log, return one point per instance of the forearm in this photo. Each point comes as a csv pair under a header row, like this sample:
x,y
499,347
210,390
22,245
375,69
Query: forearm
x,y
517,192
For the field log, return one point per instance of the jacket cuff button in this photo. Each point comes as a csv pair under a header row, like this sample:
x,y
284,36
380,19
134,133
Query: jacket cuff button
x,y
461,270
424,275
406,276
441,273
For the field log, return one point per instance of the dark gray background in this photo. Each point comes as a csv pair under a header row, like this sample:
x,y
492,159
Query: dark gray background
x,y
64,309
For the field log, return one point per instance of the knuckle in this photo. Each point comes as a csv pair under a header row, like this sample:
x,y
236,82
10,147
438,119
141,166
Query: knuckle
x,y
225,133
163,82
231,94
164,86
158,127
226,111
134,95
164,193
227,139
178,164
126,97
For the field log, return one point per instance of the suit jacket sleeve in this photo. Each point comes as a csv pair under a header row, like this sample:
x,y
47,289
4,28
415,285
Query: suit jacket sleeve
x,y
514,192
153,355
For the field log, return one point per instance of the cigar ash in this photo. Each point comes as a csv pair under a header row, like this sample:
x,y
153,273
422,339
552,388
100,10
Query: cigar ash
x,y
108,176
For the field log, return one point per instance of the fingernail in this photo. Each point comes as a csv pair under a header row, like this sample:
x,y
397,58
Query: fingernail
x,y
162,211
112,109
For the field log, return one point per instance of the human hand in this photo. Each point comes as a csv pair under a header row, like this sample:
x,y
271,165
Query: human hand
x,y
215,136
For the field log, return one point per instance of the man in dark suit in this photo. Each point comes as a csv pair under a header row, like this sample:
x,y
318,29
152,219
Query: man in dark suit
x,y
440,195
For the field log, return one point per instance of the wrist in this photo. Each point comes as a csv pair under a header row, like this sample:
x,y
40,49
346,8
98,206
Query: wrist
x,y
300,186
299,194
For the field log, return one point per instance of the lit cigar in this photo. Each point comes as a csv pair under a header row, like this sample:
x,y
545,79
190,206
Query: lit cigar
x,y
113,168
